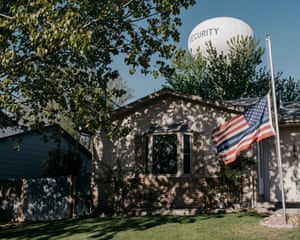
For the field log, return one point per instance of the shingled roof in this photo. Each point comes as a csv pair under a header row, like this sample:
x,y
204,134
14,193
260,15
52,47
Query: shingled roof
x,y
289,112
165,93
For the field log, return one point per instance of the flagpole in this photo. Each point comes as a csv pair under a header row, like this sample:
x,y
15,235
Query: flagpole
x,y
277,138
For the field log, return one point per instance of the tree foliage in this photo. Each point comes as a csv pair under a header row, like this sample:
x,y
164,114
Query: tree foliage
x,y
56,55
231,75
288,89
189,74
228,76
217,75
121,84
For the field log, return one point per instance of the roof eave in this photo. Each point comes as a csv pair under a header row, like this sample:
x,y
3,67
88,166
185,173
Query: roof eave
x,y
168,92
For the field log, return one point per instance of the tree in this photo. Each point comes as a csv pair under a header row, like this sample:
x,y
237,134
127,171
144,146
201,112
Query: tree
x,y
120,84
189,74
84,138
232,76
288,89
218,75
56,55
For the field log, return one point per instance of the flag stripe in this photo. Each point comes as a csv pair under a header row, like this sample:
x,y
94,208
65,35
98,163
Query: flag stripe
x,y
227,125
259,134
230,157
242,125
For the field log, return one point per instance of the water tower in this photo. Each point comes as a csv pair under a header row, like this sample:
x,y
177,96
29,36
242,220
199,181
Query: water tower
x,y
219,31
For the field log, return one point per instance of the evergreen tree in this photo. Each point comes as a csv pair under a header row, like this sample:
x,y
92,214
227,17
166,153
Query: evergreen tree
x,y
234,75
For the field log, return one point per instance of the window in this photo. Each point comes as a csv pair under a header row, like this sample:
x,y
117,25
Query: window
x,y
168,151
164,154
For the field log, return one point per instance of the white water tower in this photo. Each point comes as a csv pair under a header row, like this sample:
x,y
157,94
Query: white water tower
x,y
219,31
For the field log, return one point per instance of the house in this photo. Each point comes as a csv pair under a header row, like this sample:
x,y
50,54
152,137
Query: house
x,y
23,154
25,195
167,161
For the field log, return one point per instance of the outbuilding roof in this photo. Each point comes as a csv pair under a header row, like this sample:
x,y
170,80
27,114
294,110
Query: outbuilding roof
x,y
15,132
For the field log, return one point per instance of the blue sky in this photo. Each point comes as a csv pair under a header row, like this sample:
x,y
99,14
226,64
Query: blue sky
x,y
280,18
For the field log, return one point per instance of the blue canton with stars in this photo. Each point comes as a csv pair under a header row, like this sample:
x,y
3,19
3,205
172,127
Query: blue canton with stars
x,y
255,113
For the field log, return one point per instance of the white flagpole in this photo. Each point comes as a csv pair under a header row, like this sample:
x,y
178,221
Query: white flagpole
x,y
277,138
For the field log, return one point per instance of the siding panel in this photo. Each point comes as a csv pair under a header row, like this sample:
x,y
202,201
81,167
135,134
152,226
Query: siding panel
x,y
28,160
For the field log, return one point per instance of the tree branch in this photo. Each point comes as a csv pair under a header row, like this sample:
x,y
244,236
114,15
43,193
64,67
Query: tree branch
x,y
126,4
91,22
6,16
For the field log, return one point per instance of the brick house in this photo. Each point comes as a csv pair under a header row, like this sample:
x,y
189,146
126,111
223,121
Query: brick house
x,y
167,159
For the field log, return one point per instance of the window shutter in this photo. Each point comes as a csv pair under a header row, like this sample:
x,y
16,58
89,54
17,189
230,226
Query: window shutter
x,y
140,152
198,153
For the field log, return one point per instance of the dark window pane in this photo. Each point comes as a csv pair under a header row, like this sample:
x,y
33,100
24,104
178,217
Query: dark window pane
x,y
186,142
186,154
146,154
164,154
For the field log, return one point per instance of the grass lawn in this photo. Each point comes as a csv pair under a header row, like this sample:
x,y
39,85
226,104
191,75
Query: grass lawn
x,y
233,226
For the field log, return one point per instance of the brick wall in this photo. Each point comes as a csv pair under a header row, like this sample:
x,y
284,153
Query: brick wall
x,y
158,192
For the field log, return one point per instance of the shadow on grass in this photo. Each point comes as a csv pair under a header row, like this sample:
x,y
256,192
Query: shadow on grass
x,y
92,228
253,214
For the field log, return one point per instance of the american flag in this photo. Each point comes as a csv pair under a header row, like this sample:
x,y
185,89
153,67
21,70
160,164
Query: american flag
x,y
238,133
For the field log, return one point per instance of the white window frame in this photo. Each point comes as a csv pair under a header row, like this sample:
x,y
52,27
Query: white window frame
x,y
180,153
